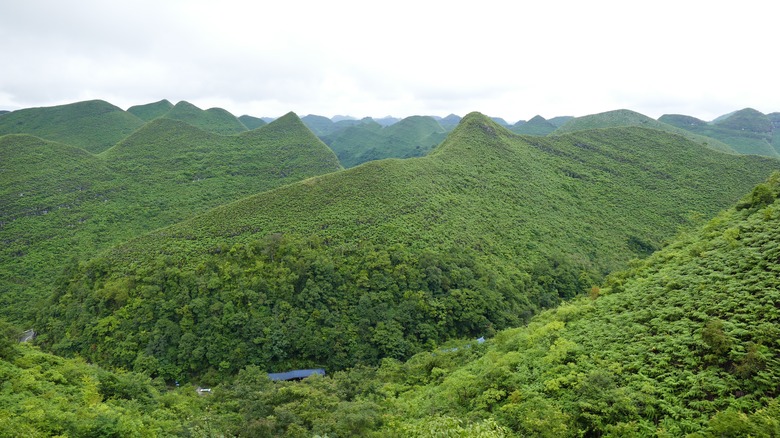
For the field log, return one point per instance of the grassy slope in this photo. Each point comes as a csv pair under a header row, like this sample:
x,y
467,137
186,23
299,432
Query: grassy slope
x,y
746,131
92,125
151,111
681,343
411,137
536,126
590,199
215,120
75,204
631,118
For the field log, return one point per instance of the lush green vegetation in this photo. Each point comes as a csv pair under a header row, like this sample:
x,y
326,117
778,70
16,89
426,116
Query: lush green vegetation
x,y
215,120
747,131
252,122
477,236
630,118
92,125
684,343
536,126
450,122
43,395
322,126
413,136
151,111
61,202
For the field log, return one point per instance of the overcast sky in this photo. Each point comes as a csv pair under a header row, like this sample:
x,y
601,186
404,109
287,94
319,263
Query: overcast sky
x,y
512,59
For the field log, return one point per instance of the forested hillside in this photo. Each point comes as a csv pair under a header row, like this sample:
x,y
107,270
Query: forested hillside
x,y
392,257
93,125
413,136
747,131
61,202
611,119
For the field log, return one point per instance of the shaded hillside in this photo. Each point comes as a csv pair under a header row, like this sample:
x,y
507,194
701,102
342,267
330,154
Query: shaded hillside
x,y
746,131
323,126
559,120
684,342
391,257
151,111
450,122
252,122
413,136
630,118
92,125
215,120
61,202
536,126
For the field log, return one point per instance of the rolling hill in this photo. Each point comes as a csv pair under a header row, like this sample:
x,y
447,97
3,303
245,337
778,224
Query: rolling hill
x,y
214,120
252,122
61,202
413,136
624,117
536,126
747,131
391,257
92,125
151,111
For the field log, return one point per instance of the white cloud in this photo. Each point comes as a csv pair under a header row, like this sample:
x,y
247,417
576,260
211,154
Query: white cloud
x,y
506,59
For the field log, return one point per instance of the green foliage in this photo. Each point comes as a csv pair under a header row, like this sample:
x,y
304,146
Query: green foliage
x,y
214,120
353,267
413,136
44,395
252,122
747,131
536,126
92,125
618,118
61,202
282,304
151,111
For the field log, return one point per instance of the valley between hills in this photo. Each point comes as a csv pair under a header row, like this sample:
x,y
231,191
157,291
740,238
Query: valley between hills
x,y
621,273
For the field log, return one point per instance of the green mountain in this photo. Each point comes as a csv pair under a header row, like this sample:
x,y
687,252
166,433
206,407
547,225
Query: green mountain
x,y
61,202
92,125
151,111
4,112
685,342
450,122
746,131
559,121
413,136
536,126
392,257
319,125
215,120
252,122
630,118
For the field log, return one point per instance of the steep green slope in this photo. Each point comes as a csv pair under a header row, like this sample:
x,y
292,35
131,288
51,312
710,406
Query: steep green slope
x,y
252,122
536,126
413,136
684,343
215,120
44,395
630,118
60,202
746,131
151,111
55,199
391,257
92,125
